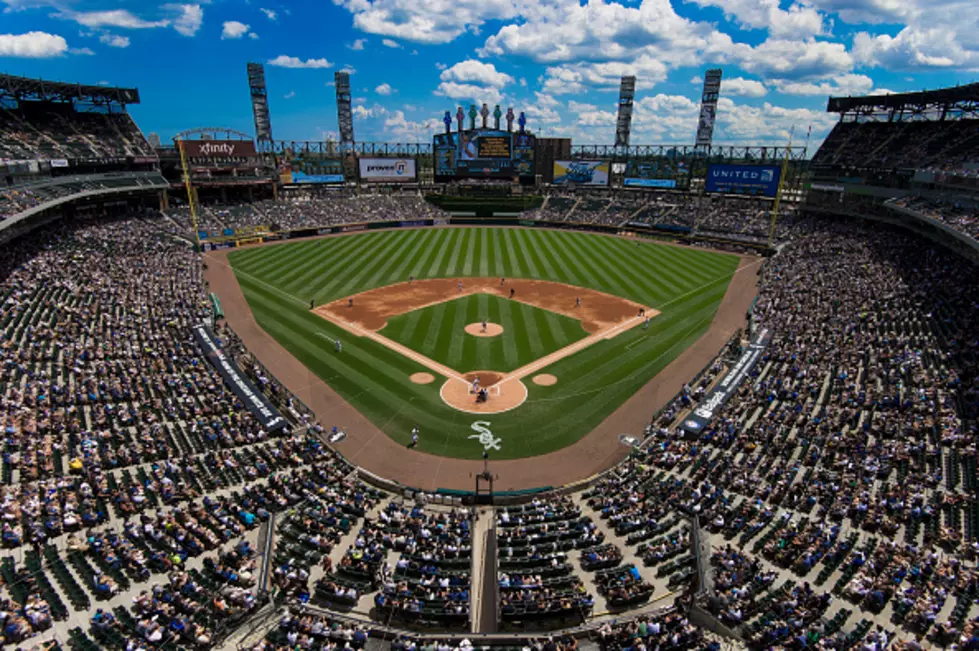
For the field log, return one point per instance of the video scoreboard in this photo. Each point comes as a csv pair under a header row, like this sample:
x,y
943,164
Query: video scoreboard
x,y
484,153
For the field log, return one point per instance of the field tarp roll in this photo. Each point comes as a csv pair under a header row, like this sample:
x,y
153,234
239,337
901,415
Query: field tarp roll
x,y
700,417
242,387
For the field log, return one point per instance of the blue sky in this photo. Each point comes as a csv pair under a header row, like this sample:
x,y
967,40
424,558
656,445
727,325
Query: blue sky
x,y
558,60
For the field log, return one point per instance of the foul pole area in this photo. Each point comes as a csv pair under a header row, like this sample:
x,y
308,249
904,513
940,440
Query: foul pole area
x,y
191,201
781,185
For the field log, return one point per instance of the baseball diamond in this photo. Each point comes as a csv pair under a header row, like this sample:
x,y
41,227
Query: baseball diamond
x,y
453,277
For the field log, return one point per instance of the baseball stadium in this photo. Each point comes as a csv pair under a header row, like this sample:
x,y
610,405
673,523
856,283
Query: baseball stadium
x,y
489,389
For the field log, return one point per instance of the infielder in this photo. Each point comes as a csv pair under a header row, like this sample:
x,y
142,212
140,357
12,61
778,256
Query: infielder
x,y
484,325
460,287
338,346
645,326
414,437
577,301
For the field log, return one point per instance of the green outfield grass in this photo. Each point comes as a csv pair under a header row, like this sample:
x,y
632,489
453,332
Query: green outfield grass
x,y
685,285
529,333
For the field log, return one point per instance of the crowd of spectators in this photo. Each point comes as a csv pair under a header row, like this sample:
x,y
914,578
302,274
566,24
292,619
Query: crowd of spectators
x,y
955,213
899,145
39,131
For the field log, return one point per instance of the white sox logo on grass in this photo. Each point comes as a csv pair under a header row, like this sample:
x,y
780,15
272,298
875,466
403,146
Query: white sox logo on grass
x,y
485,436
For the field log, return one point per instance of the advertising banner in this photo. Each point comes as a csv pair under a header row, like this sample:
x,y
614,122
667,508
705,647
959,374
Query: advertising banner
x,y
59,162
483,153
302,177
387,170
219,148
650,183
744,179
581,172
242,387
700,417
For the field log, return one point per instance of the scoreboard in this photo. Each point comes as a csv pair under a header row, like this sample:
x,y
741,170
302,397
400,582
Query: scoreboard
x,y
484,153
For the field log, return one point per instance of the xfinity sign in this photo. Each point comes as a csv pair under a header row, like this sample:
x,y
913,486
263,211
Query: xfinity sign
x,y
387,170
760,180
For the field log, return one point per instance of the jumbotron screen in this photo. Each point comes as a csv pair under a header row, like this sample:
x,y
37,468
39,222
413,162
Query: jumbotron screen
x,y
483,153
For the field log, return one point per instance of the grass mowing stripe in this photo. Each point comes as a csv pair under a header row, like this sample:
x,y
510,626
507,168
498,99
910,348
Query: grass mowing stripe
x,y
391,267
452,262
470,244
653,285
547,263
417,251
590,266
446,328
462,317
484,245
519,266
530,323
431,250
511,353
434,265
562,270
523,251
324,286
402,270
368,264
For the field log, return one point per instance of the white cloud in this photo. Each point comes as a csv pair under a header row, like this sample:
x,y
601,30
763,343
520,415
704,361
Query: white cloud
x,y
523,82
392,44
739,122
426,21
188,20
850,84
798,21
32,45
589,115
284,61
120,18
253,36
576,78
234,29
358,45
470,92
289,95
83,51
384,89
739,86
476,72
790,59
697,80
350,70
114,40
402,128
271,15
441,66
914,48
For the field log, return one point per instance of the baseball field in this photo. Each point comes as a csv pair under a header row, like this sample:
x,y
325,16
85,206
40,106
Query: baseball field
x,y
564,343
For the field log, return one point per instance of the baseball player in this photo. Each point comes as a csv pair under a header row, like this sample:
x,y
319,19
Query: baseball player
x,y
484,325
410,279
512,291
350,302
338,346
642,311
460,287
645,326
577,301
414,437
475,386
503,281
310,303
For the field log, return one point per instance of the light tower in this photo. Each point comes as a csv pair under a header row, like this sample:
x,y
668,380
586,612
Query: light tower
x,y
623,124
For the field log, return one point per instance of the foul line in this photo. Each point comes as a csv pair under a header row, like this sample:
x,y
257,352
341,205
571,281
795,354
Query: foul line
x,y
257,280
704,286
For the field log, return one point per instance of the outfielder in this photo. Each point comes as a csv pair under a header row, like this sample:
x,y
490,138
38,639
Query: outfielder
x,y
414,437
338,346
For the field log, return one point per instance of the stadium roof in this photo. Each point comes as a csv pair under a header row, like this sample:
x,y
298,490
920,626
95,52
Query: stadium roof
x,y
947,96
23,88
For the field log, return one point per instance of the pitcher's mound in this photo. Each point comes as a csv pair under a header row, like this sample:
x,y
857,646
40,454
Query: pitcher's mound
x,y
545,380
504,397
422,378
492,329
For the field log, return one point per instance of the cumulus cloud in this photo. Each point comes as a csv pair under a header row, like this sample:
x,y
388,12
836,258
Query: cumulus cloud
x,y
399,126
741,87
798,21
840,85
384,89
790,59
285,61
271,15
426,21
32,45
914,48
470,93
358,45
114,40
391,44
120,18
476,72
233,29
189,18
